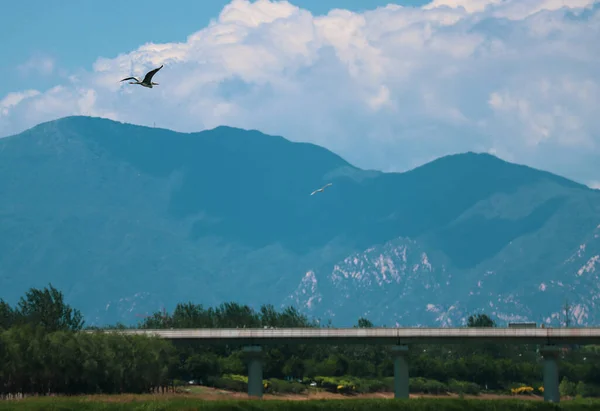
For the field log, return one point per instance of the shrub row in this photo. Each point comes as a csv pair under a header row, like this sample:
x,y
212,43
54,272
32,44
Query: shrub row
x,y
346,385
239,383
63,362
351,385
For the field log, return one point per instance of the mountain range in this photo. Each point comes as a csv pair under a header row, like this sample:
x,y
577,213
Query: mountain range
x,y
127,219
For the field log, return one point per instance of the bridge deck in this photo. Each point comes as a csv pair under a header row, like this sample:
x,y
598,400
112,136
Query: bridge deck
x,y
390,336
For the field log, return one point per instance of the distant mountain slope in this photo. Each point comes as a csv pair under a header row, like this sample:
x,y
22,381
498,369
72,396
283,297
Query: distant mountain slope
x,y
125,219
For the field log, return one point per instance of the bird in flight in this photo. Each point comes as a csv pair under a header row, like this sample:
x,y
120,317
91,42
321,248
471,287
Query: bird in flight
x,y
320,189
147,81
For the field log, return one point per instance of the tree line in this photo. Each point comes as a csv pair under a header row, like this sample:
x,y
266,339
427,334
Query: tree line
x,y
42,350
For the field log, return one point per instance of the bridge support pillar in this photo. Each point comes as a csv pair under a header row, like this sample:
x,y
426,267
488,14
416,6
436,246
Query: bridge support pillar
x,y
253,355
550,354
400,371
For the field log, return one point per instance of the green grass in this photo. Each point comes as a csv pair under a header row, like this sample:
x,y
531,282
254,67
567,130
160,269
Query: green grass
x,y
172,404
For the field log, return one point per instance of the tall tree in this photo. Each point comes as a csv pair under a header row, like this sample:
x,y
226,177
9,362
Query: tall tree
x,y
480,320
364,323
46,308
6,315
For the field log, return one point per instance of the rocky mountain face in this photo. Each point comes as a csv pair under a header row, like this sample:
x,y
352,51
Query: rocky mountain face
x,y
127,219
531,278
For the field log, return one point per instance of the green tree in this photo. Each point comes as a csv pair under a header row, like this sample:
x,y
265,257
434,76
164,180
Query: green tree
x,y
480,320
34,360
190,315
202,366
233,364
269,317
581,389
364,323
7,315
293,367
567,388
46,308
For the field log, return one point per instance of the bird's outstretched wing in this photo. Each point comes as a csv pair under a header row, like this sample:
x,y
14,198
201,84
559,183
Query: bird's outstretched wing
x,y
148,77
131,78
320,189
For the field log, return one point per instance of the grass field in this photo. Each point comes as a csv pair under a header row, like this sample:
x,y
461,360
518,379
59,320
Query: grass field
x,y
207,393
202,398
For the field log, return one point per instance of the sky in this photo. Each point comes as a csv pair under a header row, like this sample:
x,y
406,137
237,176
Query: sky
x,y
387,86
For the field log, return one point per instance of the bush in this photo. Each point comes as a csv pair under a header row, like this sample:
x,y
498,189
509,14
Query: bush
x,y
334,384
584,390
236,377
364,386
567,388
179,383
581,389
351,385
426,386
276,386
463,387
228,384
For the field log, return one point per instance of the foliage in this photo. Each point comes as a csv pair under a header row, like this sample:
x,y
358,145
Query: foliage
x,y
7,315
43,308
42,353
228,384
480,320
226,315
426,386
463,387
567,388
277,386
581,389
63,362
364,323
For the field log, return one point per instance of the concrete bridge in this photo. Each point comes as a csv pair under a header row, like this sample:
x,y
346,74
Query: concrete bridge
x,y
549,340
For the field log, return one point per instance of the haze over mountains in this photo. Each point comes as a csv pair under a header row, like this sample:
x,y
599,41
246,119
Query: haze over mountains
x,y
127,219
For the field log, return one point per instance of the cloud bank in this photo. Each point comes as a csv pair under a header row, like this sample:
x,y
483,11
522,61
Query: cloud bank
x,y
389,88
37,64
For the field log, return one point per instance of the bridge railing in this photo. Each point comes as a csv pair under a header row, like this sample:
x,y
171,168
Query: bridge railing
x,y
392,336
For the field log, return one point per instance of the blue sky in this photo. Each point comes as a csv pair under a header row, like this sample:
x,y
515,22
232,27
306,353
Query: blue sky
x,y
384,86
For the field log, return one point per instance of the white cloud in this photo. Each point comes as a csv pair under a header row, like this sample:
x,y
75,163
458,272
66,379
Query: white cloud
x,y
13,99
389,88
594,184
38,64
470,6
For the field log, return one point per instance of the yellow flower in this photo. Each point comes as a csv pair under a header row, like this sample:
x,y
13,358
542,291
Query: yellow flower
x,y
520,390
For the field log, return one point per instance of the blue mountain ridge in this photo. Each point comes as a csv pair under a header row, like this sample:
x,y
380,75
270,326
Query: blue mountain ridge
x,y
127,219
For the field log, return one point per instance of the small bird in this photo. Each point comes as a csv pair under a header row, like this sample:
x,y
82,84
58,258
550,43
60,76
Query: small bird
x,y
147,81
320,189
